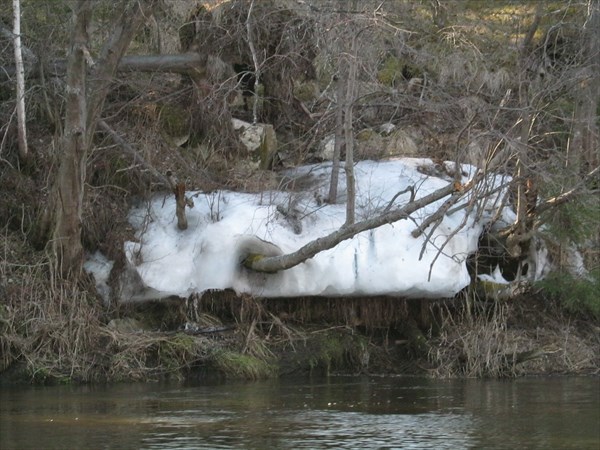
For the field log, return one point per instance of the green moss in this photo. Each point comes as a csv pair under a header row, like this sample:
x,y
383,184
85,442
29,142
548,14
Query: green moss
x,y
251,259
306,91
237,365
176,352
267,148
490,290
174,124
391,71
331,353
339,351
394,70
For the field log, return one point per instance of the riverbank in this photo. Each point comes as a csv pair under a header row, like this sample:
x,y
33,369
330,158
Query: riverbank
x,y
53,331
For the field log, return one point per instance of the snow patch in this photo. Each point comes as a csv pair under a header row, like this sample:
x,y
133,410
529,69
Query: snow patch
x,y
383,261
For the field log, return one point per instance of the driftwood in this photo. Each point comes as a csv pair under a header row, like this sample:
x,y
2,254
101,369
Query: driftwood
x,y
263,263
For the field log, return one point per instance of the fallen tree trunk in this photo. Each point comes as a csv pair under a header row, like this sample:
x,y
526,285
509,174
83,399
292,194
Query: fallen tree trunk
x,y
271,264
178,63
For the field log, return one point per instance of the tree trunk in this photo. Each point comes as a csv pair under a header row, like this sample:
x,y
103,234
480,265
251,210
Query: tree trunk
x,y
584,153
83,109
257,65
71,173
177,63
337,144
349,137
22,130
133,15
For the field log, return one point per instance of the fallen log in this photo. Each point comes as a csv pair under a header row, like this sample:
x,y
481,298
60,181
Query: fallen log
x,y
177,63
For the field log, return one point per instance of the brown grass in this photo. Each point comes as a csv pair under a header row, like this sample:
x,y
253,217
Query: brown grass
x,y
521,336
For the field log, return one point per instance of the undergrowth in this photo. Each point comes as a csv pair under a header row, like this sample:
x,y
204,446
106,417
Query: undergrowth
x,y
578,296
510,338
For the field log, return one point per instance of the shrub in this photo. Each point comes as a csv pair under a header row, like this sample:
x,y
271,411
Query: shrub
x,y
580,296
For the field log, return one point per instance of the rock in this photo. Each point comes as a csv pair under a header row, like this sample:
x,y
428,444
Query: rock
x,y
401,143
386,128
259,139
325,148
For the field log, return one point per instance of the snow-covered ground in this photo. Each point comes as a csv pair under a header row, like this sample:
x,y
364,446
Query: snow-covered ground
x,y
387,260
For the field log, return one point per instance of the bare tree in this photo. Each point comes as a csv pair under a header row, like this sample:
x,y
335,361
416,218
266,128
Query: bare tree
x,y
84,105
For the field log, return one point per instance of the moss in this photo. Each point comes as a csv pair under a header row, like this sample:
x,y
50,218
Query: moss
x,y
174,124
365,135
306,91
238,365
251,259
490,290
331,352
176,352
267,148
394,70
338,351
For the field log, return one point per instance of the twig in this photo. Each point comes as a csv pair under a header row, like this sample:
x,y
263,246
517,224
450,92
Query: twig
x,y
410,189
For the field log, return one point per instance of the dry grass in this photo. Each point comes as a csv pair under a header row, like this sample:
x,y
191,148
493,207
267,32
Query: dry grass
x,y
47,323
518,337
54,330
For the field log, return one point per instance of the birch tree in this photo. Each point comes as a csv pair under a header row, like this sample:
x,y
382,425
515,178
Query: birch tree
x,y
21,118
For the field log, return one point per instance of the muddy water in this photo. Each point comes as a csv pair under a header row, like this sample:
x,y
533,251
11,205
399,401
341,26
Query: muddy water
x,y
334,412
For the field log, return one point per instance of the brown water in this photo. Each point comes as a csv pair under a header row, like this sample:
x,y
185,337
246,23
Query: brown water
x,y
334,412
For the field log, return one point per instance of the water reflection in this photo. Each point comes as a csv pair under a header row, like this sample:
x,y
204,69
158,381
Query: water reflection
x,y
337,412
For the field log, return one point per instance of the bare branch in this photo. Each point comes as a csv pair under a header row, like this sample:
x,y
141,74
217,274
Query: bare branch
x,y
138,159
566,196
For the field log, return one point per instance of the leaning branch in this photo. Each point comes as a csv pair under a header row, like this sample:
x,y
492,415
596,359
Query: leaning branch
x,y
566,196
137,158
273,264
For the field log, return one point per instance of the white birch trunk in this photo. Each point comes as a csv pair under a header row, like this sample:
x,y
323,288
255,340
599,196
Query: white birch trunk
x,y
22,130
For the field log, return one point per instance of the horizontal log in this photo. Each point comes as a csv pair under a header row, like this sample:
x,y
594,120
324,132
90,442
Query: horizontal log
x,y
176,63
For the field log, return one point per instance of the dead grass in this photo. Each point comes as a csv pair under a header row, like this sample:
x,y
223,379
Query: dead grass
x,y
48,324
513,338
53,330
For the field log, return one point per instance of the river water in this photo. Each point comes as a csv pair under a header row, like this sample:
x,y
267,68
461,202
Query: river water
x,y
334,413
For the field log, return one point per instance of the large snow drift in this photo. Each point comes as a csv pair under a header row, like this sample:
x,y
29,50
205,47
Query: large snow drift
x,y
224,225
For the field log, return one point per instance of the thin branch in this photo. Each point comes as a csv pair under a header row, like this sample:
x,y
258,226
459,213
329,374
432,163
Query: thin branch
x,y
254,61
132,152
566,196
410,189
436,217
441,249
